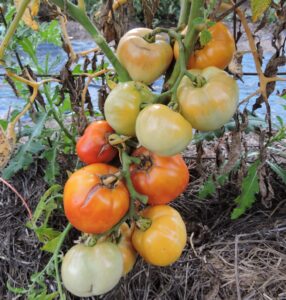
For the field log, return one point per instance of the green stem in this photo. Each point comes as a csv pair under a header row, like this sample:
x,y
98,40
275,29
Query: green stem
x,y
192,32
59,121
189,41
13,26
126,162
56,262
79,15
81,4
184,13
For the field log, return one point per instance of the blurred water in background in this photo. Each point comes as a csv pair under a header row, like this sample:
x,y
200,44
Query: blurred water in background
x,y
8,100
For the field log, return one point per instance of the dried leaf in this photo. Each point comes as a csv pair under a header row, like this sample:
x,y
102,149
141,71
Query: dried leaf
x,y
258,7
149,10
5,149
31,11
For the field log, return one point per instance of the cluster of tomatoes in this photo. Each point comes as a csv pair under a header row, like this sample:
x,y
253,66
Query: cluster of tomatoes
x,y
97,197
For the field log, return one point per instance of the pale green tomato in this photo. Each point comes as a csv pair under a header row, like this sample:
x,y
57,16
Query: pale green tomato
x,y
162,130
208,107
122,106
91,271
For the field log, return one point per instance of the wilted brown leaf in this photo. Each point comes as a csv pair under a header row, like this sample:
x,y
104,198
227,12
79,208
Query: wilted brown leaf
x,y
31,11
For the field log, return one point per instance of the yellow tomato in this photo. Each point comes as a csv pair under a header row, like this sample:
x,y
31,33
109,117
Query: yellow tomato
x,y
163,242
144,61
208,107
162,130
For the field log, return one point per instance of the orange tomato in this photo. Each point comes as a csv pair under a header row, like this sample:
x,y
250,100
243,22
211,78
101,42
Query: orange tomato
x,y
93,146
162,179
92,205
218,52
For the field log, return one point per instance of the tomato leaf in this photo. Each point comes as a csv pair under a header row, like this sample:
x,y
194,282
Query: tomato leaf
x,y
53,168
51,245
258,7
24,156
250,187
205,37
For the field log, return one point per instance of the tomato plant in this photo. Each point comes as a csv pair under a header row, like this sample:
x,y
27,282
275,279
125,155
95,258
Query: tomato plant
x,y
92,204
145,61
163,242
212,105
162,179
123,105
91,271
125,246
93,146
162,130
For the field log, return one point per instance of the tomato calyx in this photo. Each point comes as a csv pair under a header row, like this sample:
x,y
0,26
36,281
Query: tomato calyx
x,y
143,223
110,180
146,163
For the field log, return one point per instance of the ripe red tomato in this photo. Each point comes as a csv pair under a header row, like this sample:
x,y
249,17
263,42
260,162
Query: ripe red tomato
x,y
92,205
162,179
93,146
218,52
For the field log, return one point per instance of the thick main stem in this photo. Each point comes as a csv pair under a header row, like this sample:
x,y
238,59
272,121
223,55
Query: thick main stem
x,y
13,26
79,15
190,39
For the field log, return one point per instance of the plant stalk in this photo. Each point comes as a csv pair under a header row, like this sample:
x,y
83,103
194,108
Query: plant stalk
x,y
189,41
79,15
12,28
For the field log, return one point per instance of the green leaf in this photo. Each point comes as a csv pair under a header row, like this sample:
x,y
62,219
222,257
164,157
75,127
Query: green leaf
x,y
258,7
45,205
51,245
24,156
207,189
278,170
46,234
15,290
53,168
250,187
210,186
205,37
198,21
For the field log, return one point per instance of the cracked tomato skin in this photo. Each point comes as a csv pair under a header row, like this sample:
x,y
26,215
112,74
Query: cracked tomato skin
x,y
162,130
218,52
144,61
91,271
208,107
122,106
163,242
91,206
93,147
162,179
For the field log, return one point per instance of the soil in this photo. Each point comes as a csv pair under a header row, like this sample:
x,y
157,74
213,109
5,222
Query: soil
x,y
223,259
